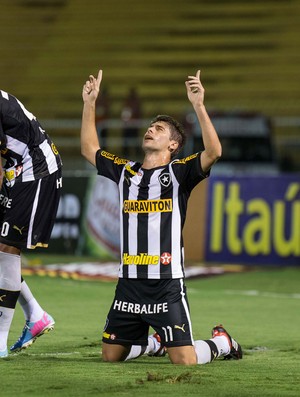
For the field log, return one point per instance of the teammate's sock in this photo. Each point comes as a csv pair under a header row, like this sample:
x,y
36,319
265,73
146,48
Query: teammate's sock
x,y
10,285
209,350
6,316
31,308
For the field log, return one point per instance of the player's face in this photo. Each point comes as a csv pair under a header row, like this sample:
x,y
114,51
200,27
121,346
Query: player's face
x,y
157,137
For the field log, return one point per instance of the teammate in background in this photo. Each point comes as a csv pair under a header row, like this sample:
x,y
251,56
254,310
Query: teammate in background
x,y
102,115
31,183
131,113
153,203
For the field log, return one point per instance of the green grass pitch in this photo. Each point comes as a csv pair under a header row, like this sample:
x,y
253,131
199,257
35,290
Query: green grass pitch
x,y
259,308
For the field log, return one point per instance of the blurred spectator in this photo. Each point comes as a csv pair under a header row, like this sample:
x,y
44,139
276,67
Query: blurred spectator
x,y
193,133
102,115
130,115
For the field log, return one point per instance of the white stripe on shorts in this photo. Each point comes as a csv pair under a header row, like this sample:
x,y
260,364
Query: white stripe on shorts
x,y
186,308
32,217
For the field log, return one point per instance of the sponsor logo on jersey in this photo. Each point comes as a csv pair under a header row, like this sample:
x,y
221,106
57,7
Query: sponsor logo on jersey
x,y
53,147
107,155
13,172
141,259
166,258
5,201
146,206
19,229
117,160
181,328
130,170
105,335
186,159
2,298
165,179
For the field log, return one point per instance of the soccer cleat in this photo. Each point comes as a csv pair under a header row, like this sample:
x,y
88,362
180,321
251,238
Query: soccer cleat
x,y
32,330
162,351
3,353
235,348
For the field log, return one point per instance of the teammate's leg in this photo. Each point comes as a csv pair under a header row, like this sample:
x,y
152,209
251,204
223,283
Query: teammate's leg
x,y
30,306
10,285
37,321
33,208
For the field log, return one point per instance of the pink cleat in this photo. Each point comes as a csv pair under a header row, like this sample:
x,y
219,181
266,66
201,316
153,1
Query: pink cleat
x,y
33,330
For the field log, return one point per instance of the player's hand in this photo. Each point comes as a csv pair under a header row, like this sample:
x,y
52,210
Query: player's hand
x,y
91,88
195,90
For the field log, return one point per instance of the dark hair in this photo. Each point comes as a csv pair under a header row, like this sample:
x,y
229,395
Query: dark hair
x,y
177,131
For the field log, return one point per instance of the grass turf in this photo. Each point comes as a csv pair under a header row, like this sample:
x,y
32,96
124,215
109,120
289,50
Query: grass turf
x,y
260,309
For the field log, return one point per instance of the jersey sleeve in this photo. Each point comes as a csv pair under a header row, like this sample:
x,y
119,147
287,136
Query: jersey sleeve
x,y
110,165
188,171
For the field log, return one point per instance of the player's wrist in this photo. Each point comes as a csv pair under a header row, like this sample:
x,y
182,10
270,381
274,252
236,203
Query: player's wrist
x,y
199,106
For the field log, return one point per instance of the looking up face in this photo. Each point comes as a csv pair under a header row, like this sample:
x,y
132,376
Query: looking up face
x,y
158,138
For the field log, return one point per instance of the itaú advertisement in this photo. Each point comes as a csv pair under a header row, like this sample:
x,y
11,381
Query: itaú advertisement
x,y
254,220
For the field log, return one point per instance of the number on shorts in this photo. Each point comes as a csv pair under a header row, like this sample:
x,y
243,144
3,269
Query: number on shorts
x,y
168,333
5,229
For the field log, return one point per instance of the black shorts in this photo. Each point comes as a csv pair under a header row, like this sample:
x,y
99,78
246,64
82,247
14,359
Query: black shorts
x,y
28,211
139,304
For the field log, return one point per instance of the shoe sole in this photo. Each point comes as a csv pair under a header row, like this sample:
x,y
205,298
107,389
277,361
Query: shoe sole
x,y
27,344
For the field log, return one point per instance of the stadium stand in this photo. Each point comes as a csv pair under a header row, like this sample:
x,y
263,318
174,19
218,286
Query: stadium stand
x,y
248,52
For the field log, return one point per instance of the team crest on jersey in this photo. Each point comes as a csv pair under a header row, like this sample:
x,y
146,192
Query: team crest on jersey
x,y
165,179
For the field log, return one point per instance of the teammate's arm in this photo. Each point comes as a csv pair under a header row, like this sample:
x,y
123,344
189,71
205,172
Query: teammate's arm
x,y
89,137
212,146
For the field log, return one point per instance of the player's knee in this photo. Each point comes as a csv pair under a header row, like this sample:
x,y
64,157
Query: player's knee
x,y
114,353
182,355
109,357
184,361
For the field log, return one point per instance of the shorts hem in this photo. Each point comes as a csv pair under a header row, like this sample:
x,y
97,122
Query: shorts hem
x,y
178,344
125,342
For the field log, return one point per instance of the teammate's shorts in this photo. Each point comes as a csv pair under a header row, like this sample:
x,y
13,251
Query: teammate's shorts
x,y
28,211
139,304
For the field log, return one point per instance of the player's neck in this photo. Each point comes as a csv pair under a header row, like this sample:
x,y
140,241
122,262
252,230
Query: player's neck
x,y
156,159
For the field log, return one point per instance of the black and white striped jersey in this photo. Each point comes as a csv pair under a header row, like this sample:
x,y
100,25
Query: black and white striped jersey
x,y
153,205
29,152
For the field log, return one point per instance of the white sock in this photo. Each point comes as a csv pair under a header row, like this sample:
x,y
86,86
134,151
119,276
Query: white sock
x,y
5,323
153,345
209,350
10,285
137,351
203,352
31,308
222,344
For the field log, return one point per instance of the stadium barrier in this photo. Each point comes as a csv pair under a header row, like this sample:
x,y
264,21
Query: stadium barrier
x,y
245,219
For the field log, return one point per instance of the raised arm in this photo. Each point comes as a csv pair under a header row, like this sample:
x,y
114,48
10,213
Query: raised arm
x,y
212,146
89,137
